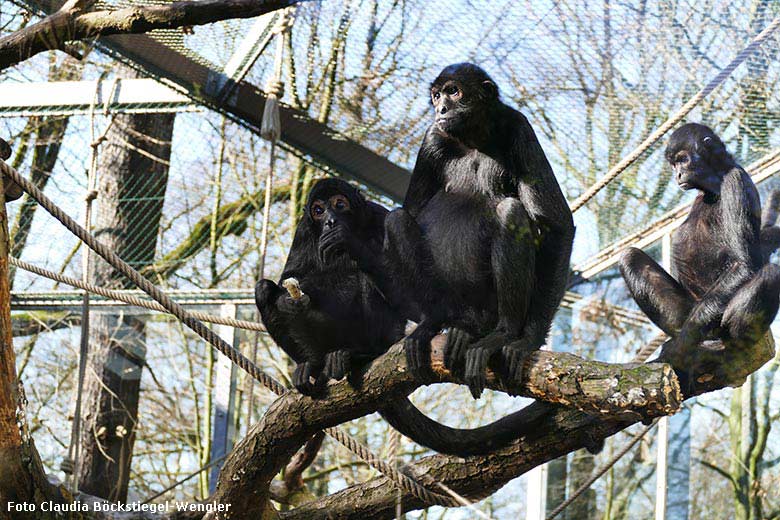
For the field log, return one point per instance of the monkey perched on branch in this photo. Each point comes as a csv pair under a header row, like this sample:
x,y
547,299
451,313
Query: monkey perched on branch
x,y
721,286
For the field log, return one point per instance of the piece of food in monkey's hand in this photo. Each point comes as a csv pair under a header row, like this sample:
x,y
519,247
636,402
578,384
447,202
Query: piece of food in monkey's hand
x,y
293,288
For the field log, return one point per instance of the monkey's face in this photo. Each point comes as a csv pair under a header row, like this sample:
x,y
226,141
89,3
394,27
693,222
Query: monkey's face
x,y
450,109
698,159
463,98
332,216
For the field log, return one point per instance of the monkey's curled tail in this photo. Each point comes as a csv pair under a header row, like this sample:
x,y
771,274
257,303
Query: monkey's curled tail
x,y
411,422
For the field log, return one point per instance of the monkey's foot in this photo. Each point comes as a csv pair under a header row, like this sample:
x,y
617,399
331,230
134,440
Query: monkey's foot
x,y
514,355
306,378
477,359
337,364
417,346
455,347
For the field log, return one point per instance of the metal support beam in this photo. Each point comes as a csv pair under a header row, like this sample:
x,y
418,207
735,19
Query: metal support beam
x,y
76,97
672,474
248,51
224,399
536,493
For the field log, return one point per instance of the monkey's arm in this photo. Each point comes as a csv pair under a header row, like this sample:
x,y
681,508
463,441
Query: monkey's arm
x,y
541,195
426,179
277,322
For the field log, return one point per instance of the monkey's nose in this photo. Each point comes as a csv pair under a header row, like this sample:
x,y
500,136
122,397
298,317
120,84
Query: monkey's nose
x,y
443,110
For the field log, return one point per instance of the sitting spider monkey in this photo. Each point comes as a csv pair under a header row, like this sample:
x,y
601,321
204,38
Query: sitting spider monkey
x,y
342,320
722,286
483,241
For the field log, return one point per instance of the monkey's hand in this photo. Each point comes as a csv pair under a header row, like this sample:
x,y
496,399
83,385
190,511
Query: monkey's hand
x,y
340,239
293,306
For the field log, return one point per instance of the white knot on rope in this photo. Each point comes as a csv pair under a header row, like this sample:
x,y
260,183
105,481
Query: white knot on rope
x,y
271,126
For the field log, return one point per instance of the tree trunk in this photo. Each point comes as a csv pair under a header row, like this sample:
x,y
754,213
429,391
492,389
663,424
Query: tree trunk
x,y
132,178
22,478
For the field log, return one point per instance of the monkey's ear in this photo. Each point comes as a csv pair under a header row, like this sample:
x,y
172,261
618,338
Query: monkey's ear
x,y
490,89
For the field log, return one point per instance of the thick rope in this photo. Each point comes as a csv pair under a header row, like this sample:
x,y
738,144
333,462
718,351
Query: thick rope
x,y
130,299
405,482
676,118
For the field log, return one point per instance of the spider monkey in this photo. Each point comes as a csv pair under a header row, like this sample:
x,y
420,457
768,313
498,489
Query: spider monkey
x,y
341,318
483,241
721,286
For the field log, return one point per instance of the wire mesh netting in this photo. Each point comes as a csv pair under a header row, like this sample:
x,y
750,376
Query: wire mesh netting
x,y
180,188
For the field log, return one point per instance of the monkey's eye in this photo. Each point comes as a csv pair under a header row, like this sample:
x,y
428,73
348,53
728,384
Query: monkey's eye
x,y
317,209
436,95
451,90
340,203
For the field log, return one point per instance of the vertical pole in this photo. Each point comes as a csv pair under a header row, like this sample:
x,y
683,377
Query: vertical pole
x,y
224,399
536,493
662,442
674,446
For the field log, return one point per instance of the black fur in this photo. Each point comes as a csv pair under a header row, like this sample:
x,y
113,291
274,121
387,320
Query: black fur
x,y
722,286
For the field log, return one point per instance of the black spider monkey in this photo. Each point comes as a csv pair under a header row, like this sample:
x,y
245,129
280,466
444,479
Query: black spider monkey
x,y
722,286
343,320
483,241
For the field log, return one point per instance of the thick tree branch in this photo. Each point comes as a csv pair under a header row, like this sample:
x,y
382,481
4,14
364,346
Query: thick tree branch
x,y
72,23
551,431
620,390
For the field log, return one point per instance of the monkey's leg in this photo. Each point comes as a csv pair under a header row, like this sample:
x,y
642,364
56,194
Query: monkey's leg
x,y
413,283
661,297
752,309
278,324
513,259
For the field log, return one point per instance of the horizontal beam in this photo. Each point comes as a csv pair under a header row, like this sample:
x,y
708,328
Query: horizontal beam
x,y
71,300
80,97
760,170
